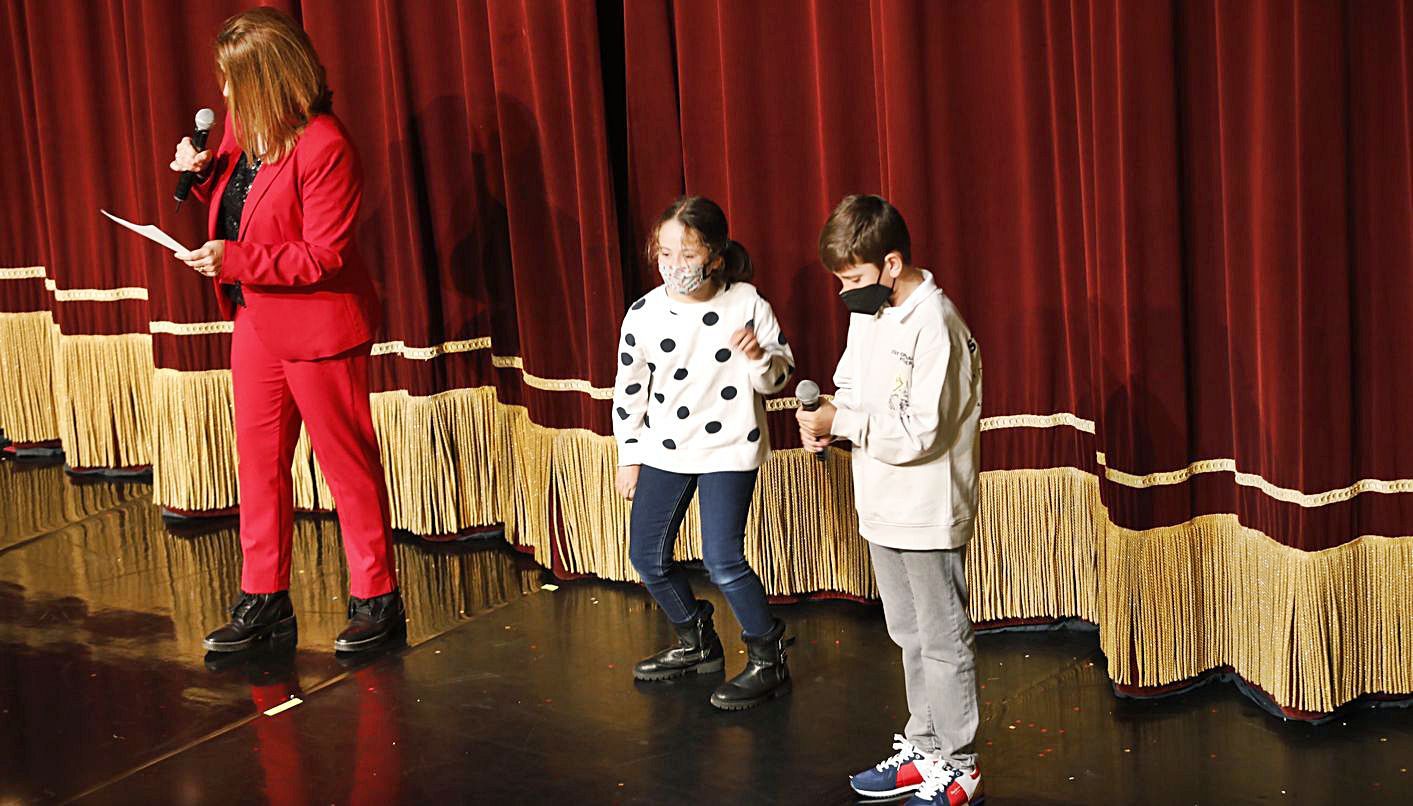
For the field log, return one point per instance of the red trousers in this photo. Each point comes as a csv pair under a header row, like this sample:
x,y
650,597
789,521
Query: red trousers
x,y
330,396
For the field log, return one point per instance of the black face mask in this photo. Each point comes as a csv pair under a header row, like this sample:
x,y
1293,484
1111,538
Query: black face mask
x,y
867,300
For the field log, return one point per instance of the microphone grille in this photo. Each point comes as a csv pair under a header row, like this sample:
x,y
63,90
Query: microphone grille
x,y
807,392
205,119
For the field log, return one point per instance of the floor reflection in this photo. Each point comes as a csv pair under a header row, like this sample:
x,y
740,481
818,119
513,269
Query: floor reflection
x,y
104,689
38,497
103,608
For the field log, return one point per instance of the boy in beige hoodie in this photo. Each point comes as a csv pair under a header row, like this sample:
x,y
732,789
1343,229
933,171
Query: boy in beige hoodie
x,y
909,400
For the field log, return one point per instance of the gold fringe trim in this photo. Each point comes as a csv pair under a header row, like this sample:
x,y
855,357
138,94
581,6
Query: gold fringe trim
x,y
1313,629
802,535
27,344
1033,555
526,491
452,461
193,440
438,459
593,515
103,399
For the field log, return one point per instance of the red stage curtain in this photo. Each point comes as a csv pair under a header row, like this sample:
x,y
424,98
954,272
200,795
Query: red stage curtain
x,y
1188,223
1180,230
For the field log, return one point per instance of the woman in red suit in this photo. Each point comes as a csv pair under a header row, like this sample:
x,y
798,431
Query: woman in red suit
x,y
284,188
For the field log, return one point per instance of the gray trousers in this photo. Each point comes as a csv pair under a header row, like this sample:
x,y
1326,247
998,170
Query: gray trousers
x,y
925,604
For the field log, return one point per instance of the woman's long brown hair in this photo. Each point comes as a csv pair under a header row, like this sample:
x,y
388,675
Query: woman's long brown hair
x,y
276,80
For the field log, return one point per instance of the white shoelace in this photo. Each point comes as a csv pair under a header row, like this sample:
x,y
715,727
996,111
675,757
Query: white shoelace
x,y
937,775
907,751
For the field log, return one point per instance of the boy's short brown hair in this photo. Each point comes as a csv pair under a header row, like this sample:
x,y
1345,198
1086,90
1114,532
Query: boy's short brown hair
x,y
863,229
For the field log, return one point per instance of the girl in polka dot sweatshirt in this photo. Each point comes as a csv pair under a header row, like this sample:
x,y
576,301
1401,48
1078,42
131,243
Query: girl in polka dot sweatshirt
x,y
697,355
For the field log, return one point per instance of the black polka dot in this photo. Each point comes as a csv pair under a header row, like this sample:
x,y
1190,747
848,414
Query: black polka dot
x,y
640,303
669,444
652,367
632,342
713,426
647,423
660,397
711,318
622,413
668,345
729,393
782,338
723,355
680,375
626,359
631,441
754,436
682,413
633,388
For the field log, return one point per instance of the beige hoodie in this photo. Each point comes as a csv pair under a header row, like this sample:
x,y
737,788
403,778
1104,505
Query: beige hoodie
x,y
909,400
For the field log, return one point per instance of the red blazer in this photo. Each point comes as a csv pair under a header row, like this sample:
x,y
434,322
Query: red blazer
x,y
306,289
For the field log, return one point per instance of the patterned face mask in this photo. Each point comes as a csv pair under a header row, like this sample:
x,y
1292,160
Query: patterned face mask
x,y
683,279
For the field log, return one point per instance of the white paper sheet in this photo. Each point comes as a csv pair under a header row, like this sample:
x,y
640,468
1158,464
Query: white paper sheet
x,y
150,232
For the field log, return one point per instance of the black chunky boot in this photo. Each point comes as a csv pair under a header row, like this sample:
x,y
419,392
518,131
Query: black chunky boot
x,y
268,661
698,649
372,622
765,675
254,617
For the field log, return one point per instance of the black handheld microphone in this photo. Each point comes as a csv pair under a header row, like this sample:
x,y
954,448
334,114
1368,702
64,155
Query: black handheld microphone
x,y
204,120
807,392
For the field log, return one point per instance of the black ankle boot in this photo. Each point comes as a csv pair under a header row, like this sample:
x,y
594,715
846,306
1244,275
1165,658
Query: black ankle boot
x,y
270,660
698,649
765,675
371,622
255,616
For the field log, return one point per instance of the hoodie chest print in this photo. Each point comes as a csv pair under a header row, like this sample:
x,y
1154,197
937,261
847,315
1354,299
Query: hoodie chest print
x,y
900,392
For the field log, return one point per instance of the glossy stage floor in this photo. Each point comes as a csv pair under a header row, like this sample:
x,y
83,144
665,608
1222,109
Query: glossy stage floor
x,y
510,691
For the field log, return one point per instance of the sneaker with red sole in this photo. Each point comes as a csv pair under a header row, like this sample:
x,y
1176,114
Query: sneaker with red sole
x,y
945,785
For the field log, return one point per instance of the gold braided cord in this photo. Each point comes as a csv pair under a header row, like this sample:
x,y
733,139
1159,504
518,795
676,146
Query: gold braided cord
x,y
32,421
551,384
1289,496
435,351
1038,421
95,294
190,328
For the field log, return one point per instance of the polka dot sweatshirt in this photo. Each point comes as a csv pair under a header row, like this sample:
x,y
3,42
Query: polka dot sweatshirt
x,y
684,401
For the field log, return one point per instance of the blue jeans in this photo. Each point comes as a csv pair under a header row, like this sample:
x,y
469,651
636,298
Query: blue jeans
x,y
659,505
